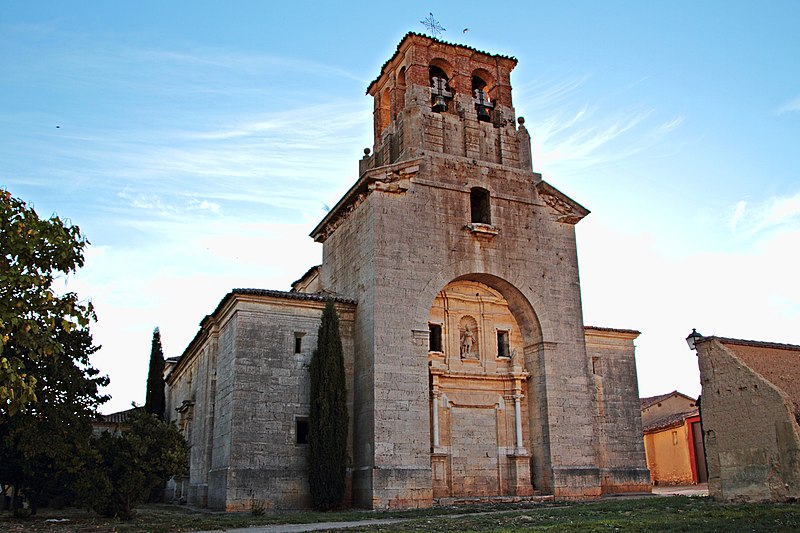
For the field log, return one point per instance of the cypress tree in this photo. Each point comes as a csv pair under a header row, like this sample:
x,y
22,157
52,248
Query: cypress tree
x,y
154,401
327,438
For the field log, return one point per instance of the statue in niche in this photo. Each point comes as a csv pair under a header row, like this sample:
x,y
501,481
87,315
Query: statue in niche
x,y
467,341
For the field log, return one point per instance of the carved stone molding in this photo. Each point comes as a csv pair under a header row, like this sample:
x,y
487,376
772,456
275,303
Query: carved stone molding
x,y
393,183
392,179
569,211
482,230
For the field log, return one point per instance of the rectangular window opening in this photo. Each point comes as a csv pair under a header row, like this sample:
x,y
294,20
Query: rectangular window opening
x,y
434,338
298,341
301,430
502,344
480,209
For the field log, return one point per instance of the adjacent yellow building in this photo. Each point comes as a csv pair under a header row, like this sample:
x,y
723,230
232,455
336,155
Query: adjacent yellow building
x,y
673,439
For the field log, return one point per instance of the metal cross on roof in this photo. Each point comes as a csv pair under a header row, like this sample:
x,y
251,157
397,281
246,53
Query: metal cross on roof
x,y
432,25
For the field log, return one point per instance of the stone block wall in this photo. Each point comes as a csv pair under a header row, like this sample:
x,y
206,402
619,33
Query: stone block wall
x,y
621,455
271,393
191,404
418,240
218,480
349,273
243,445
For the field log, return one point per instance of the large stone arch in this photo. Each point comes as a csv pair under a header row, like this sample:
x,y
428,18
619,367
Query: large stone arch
x,y
523,305
534,340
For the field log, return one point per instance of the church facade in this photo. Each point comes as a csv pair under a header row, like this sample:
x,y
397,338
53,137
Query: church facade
x,y
453,266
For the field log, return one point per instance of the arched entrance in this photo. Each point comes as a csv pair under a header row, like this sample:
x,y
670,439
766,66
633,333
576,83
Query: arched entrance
x,y
479,394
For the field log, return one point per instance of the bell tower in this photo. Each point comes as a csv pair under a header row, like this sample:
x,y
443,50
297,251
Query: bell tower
x,y
470,369
437,97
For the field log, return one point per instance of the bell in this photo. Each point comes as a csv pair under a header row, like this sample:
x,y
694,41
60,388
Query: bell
x,y
439,104
483,115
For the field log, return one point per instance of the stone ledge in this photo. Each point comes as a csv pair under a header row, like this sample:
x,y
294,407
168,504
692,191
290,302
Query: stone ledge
x,y
479,229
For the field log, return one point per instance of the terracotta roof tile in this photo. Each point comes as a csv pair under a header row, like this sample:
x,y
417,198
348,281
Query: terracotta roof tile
x,y
280,294
652,400
258,292
670,420
757,344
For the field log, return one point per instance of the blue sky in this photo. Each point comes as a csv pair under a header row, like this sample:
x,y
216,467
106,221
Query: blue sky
x,y
197,143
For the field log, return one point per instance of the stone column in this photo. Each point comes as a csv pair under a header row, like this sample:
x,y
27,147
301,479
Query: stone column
x,y
519,462
435,415
518,423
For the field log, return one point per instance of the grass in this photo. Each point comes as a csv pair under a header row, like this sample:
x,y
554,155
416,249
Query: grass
x,y
674,513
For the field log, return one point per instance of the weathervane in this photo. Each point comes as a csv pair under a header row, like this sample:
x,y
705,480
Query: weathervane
x,y
433,26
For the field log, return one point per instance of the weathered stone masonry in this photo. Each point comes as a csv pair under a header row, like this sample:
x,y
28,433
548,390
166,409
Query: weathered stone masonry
x,y
469,367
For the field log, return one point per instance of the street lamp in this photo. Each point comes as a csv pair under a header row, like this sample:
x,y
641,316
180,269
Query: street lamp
x,y
692,339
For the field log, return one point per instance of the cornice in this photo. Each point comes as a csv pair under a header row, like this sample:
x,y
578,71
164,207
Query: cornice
x,y
569,211
394,178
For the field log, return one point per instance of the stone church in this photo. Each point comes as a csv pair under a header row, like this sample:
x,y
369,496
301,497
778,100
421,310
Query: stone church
x,y
453,266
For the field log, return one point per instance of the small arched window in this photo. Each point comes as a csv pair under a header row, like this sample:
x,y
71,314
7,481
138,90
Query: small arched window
x,y
440,92
400,92
479,206
385,110
478,84
480,94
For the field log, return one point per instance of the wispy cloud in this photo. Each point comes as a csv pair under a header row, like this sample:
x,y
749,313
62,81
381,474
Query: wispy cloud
x,y
546,93
212,121
586,139
738,213
573,131
776,212
792,106
671,125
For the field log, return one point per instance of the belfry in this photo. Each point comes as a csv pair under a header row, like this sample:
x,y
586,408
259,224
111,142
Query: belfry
x,y
470,373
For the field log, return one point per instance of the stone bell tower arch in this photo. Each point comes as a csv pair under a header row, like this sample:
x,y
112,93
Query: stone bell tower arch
x,y
447,194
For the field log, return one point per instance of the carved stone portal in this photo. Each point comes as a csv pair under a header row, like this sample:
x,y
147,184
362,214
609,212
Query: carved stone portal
x,y
479,396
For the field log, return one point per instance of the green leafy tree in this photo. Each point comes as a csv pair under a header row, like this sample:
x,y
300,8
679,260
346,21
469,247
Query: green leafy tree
x,y
154,400
131,464
327,438
45,447
33,253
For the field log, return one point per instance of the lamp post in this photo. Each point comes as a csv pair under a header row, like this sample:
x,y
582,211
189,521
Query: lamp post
x,y
692,339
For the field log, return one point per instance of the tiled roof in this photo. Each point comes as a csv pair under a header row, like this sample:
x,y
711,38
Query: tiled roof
x,y
671,420
777,363
260,292
304,276
613,330
652,400
757,344
433,39
120,417
282,294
